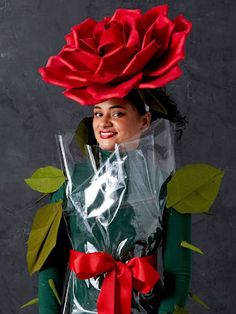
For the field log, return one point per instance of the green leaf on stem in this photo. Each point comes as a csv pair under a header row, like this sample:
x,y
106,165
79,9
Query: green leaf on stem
x,y
198,300
54,290
29,303
43,235
193,188
46,180
190,246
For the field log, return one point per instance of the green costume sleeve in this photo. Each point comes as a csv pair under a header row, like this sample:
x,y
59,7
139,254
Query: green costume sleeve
x,y
54,267
176,260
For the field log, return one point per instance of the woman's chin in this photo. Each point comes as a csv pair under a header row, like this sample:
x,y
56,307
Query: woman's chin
x,y
107,146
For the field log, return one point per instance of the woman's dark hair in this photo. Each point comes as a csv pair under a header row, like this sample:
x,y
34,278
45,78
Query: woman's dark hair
x,y
161,105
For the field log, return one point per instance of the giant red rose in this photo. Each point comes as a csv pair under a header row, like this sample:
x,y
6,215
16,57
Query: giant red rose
x,y
107,59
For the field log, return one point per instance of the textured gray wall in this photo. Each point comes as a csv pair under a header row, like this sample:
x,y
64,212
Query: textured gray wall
x,y
31,112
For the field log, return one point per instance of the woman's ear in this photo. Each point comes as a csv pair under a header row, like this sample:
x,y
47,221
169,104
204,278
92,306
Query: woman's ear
x,y
146,121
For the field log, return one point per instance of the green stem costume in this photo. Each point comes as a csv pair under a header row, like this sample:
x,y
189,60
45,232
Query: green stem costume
x,y
176,259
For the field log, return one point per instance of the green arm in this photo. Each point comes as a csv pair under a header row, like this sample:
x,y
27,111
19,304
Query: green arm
x,y
54,267
176,260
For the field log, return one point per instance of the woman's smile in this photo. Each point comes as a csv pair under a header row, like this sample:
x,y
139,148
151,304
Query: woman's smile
x,y
107,134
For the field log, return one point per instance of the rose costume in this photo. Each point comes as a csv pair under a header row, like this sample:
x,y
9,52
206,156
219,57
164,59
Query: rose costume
x,y
118,248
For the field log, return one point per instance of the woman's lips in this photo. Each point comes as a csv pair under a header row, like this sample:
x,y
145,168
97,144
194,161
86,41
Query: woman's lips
x,y
107,134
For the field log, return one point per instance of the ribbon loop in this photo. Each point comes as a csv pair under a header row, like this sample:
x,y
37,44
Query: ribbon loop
x,y
116,291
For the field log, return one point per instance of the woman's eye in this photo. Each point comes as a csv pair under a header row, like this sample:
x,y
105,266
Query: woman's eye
x,y
97,114
118,114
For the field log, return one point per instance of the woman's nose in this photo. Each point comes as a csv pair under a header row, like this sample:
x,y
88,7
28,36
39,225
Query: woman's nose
x,y
105,121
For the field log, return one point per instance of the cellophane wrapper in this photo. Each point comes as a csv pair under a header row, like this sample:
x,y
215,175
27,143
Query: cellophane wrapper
x,y
114,204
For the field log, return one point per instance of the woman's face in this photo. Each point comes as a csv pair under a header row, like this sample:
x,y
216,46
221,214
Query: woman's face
x,y
116,121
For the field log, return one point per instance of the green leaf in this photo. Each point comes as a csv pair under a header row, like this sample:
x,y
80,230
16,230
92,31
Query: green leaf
x,y
193,188
192,247
179,310
43,235
84,133
46,180
54,290
31,302
198,300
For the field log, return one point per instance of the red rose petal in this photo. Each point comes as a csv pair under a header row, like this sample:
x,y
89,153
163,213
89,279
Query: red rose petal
x,y
131,34
54,61
151,15
89,77
174,55
99,29
70,39
78,60
115,61
88,45
182,24
113,35
140,59
161,81
120,13
81,96
57,76
118,90
161,31
83,30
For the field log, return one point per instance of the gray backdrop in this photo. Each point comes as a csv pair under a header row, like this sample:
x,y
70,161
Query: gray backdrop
x,y
31,112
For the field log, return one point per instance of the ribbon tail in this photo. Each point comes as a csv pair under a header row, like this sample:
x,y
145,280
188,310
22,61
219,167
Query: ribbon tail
x,y
106,298
124,292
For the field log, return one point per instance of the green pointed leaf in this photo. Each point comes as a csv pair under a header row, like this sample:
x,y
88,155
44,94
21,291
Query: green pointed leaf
x,y
43,235
190,246
193,188
54,290
84,133
46,180
179,310
31,302
198,300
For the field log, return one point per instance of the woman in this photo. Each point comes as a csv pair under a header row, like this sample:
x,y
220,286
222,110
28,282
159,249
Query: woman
x,y
134,220
114,202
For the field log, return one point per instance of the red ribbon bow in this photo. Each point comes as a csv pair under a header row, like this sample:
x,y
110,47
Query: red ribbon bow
x,y
115,296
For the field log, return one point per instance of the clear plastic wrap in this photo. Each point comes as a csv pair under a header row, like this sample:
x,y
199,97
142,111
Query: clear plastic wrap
x,y
115,203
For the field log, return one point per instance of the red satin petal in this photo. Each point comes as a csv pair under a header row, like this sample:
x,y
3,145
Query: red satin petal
x,y
123,13
182,24
70,39
97,93
161,81
122,57
83,30
89,77
78,60
131,34
113,35
99,29
174,55
140,59
54,61
88,45
151,15
160,31
57,76
82,96
118,90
